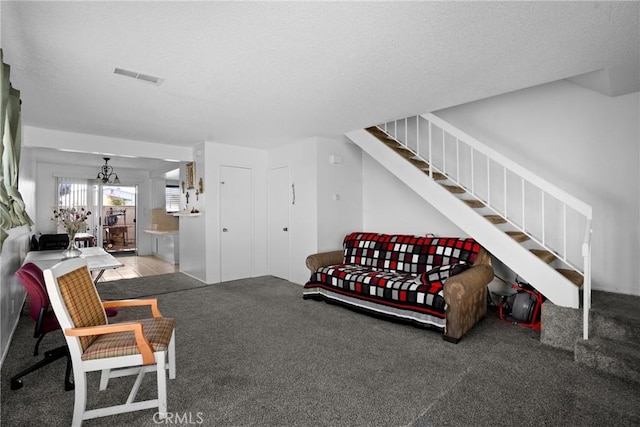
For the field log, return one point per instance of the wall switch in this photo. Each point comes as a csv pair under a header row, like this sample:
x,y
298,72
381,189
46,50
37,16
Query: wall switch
x,y
336,197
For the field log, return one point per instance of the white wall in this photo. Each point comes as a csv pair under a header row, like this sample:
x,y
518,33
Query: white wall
x,y
193,231
391,207
587,144
200,236
339,196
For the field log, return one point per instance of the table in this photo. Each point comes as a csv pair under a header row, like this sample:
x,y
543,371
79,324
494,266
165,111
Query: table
x,y
97,259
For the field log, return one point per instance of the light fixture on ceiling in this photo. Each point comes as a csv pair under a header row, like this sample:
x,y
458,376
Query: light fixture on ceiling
x,y
106,175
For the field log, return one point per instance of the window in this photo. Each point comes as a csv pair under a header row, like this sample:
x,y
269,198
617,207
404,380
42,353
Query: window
x,y
172,198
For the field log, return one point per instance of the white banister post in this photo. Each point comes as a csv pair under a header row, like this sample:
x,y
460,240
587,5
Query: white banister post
x,y
488,182
523,205
457,161
430,152
418,135
504,178
542,215
473,173
444,152
564,231
406,134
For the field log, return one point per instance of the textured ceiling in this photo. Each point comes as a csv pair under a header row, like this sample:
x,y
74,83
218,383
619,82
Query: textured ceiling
x,y
264,74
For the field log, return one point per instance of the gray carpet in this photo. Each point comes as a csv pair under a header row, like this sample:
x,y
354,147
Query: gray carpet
x,y
252,352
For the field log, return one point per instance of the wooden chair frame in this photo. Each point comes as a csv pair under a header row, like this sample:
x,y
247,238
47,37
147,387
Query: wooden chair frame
x,y
111,367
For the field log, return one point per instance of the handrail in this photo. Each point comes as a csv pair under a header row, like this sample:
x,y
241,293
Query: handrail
x,y
521,173
518,169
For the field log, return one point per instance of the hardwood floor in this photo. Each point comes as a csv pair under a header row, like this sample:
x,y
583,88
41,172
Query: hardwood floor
x,y
139,266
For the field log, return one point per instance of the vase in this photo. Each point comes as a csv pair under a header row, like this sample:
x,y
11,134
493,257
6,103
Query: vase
x,y
72,250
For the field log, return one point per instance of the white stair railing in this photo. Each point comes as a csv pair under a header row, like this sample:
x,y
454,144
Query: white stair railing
x,y
551,217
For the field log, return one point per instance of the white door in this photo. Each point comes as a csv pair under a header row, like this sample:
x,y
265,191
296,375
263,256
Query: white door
x,y
236,220
279,222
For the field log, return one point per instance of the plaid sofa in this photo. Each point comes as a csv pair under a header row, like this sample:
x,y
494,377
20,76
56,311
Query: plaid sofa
x,y
406,277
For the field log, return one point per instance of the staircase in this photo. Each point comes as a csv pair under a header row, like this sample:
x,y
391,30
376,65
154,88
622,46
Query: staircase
x,y
514,214
444,171
613,320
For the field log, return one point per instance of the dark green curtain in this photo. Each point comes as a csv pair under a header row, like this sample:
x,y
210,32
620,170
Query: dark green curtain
x,y
12,209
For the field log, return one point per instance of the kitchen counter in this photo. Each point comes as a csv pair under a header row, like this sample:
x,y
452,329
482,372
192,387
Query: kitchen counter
x,y
164,244
162,232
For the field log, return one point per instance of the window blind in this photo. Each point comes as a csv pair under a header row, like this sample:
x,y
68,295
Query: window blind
x,y
71,192
172,198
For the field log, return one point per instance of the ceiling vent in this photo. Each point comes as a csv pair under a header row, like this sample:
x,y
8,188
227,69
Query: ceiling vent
x,y
139,76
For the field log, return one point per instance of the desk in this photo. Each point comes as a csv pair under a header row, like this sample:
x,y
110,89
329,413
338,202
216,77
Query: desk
x,y
97,259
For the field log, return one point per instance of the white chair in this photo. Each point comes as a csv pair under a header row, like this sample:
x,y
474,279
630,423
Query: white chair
x,y
119,349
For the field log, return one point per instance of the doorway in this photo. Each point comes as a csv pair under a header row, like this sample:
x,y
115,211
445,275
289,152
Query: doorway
x,y
116,226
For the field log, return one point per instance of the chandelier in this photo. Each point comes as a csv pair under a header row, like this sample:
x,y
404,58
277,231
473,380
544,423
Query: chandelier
x,y
106,174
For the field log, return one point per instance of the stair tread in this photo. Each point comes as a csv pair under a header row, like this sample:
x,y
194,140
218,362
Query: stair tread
x,y
417,162
544,255
406,153
573,276
518,236
454,189
375,130
437,176
381,135
495,219
391,143
611,302
474,203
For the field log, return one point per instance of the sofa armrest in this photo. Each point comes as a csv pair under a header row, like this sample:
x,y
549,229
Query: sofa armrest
x,y
466,297
322,259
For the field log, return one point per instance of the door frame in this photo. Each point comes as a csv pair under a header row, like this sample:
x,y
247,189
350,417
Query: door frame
x,y
97,193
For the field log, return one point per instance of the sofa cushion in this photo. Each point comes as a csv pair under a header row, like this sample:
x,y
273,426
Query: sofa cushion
x,y
407,253
441,273
394,289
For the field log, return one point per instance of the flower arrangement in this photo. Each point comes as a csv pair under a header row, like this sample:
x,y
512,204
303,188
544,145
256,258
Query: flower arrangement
x,y
73,220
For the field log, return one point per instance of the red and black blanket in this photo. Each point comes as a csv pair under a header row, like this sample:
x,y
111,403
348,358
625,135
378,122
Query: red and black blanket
x,y
402,271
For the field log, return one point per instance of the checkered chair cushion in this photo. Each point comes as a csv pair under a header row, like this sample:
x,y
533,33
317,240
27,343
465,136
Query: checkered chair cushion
x,y
82,301
157,331
407,253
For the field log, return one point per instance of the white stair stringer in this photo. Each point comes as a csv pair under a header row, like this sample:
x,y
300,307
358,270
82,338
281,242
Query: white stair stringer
x,y
529,267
